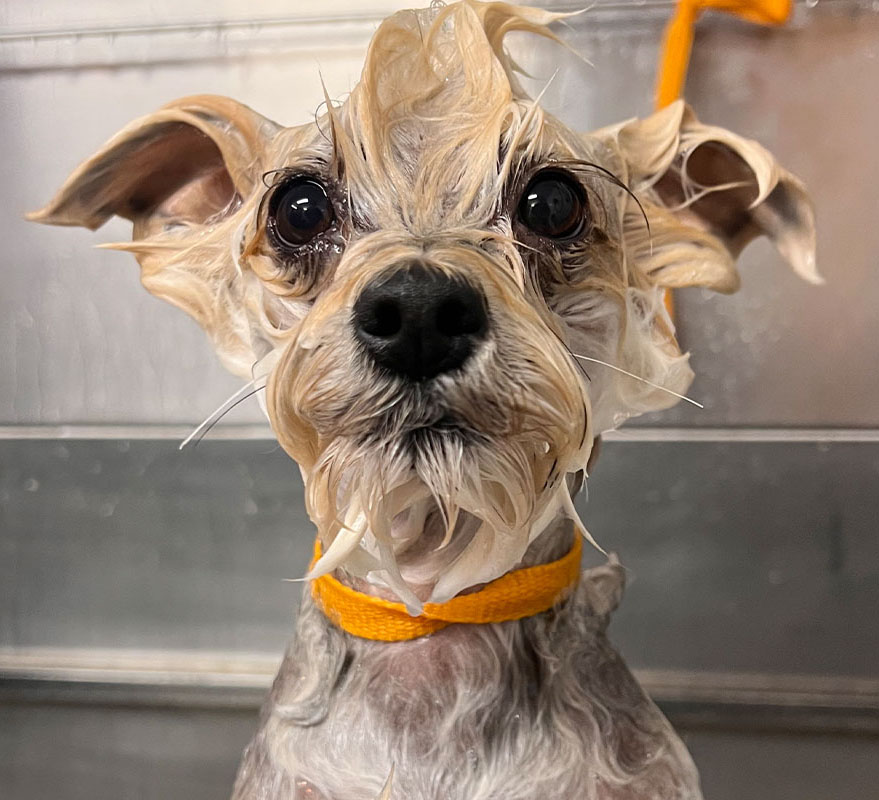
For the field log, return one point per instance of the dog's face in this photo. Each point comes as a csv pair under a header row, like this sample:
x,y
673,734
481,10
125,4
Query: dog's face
x,y
411,275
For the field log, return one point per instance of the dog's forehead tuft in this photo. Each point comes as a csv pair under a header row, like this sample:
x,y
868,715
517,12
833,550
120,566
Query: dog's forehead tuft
x,y
420,133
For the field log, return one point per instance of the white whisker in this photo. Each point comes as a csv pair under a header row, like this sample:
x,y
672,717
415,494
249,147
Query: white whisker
x,y
224,408
639,378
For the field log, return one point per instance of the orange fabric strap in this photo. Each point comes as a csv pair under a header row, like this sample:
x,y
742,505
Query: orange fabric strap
x,y
678,42
679,36
516,595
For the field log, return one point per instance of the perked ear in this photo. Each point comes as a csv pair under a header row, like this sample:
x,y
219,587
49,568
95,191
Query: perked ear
x,y
706,193
182,164
178,174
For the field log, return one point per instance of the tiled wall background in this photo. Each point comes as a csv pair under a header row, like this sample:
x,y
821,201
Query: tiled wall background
x,y
142,606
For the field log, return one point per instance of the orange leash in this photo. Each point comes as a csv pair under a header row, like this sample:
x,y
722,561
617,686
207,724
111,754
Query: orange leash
x,y
678,42
516,595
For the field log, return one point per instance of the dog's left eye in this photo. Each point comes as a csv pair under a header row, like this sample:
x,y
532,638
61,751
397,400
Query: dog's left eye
x,y
299,210
554,205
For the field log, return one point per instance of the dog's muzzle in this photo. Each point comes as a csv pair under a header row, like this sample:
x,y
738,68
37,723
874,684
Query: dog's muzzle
x,y
419,323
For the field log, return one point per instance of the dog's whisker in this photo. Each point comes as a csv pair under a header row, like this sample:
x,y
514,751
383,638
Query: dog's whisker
x,y
506,239
639,378
574,357
248,390
520,243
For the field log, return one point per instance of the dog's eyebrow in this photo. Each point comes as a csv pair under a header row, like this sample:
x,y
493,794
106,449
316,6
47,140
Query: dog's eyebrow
x,y
575,164
274,176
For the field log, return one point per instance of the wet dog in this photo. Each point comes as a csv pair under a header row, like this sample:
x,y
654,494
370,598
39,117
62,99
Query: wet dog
x,y
418,281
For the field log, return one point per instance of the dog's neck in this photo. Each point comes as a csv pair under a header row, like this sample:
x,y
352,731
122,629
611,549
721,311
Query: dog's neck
x,y
423,559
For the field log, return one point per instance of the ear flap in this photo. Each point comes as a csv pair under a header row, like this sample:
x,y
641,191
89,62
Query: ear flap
x,y
178,175
184,163
706,193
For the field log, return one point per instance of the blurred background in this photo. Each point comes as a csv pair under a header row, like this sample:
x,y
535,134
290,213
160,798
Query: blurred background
x,y
142,606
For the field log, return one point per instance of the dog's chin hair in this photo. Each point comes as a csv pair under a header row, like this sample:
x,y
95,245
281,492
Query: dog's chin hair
x,y
371,503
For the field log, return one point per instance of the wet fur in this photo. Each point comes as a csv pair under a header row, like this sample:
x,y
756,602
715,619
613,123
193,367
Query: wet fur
x,y
421,491
539,708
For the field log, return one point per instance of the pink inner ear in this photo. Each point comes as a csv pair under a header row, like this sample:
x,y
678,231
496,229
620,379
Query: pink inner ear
x,y
177,172
202,197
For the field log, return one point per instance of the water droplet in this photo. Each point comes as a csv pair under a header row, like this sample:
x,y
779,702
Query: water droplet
x,y
31,485
108,507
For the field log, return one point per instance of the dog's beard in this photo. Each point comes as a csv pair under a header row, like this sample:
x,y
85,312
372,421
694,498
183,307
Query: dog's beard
x,y
429,489
438,512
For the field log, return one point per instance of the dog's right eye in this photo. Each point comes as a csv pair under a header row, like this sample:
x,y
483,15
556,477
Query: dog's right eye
x,y
299,210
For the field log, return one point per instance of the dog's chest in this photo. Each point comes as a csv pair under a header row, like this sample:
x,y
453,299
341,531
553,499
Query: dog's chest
x,y
476,714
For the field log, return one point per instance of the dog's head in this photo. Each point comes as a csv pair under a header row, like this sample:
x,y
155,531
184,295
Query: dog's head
x,y
412,273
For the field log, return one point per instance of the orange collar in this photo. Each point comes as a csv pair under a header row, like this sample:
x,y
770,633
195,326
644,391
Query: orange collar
x,y
516,595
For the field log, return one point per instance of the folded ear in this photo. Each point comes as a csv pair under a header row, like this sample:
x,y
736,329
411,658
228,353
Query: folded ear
x,y
179,174
706,193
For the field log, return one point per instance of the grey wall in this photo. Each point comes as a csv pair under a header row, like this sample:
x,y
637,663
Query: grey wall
x,y
142,601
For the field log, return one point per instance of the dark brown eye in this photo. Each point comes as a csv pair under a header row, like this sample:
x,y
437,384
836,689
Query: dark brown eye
x,y
553,205
299,210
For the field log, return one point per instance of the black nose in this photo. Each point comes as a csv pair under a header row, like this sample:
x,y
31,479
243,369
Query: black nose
x,y
419,322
